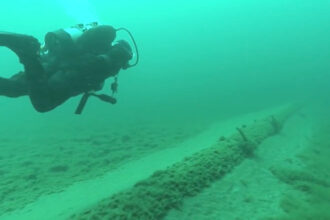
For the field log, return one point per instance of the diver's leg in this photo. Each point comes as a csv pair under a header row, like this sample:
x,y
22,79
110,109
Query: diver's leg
x,y
45,96
15,86
25,46
44,99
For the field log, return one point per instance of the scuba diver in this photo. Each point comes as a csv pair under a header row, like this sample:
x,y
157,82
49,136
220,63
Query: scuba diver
x,y
72,61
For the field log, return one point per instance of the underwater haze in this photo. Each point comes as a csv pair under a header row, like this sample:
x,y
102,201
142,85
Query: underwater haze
x,y
200,62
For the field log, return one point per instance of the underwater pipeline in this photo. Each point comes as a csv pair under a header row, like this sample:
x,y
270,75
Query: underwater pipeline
x,y
153,197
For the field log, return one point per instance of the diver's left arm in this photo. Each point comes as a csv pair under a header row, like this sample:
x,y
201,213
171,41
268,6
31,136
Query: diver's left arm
x,y
92,68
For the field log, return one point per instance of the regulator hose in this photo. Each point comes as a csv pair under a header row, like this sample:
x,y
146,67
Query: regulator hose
x,y
135,45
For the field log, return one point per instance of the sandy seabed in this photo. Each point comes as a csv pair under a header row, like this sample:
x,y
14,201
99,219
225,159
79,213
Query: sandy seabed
x,y
32,167
60,176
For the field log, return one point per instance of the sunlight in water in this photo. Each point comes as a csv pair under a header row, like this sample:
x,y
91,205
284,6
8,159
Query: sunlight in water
x,y
81,10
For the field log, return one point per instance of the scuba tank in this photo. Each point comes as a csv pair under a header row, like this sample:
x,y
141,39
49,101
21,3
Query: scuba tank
x,y
88,38
77,30
58,43
63,42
